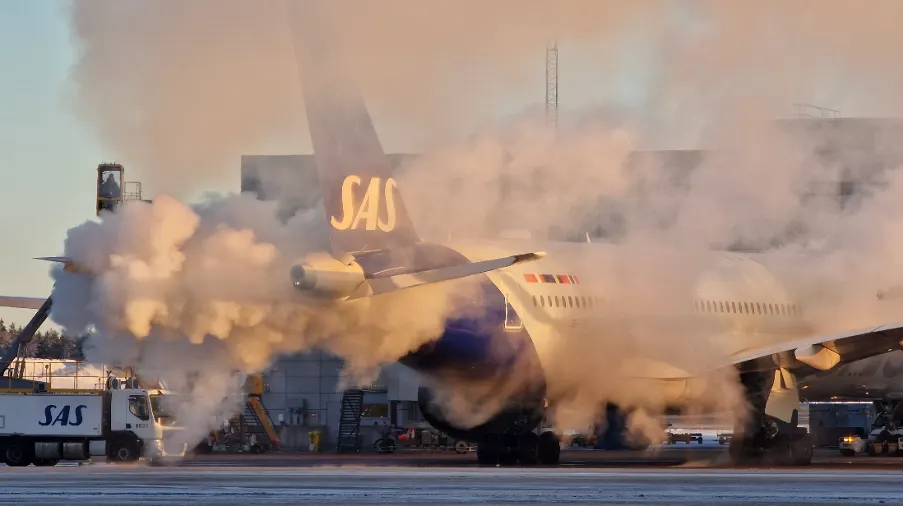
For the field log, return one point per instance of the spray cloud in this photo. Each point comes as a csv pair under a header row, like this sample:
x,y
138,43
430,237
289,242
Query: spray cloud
x,y
180,94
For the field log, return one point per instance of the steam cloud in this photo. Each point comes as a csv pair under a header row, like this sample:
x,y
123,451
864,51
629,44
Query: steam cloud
x,y
179,94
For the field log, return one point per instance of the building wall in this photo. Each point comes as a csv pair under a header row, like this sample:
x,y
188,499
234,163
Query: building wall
x,y
302,390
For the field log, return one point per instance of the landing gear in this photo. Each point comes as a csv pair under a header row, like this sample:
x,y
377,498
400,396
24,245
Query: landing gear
x,y
780,450
770,435
527,449
549,448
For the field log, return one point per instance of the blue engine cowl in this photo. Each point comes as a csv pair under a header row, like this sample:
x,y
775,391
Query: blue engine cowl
x,y
485,358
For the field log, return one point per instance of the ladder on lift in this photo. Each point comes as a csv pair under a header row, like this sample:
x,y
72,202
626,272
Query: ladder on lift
x,y
350,421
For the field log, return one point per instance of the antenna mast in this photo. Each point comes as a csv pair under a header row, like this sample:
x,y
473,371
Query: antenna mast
x,y
552,84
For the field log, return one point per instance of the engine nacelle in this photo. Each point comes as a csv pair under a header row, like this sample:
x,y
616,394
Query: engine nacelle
x,y
526,414
323,275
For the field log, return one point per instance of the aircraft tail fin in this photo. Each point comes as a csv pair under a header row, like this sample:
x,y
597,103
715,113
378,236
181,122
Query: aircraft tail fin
x,y
361,198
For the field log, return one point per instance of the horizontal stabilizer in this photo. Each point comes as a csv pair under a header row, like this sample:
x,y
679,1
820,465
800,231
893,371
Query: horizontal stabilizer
x,y
389,284
22,302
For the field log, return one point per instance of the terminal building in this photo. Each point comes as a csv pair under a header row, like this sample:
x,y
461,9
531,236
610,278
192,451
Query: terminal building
x,y
302,390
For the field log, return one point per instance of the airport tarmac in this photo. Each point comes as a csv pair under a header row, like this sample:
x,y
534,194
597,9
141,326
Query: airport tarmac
x,y
355,484
665,456
674,476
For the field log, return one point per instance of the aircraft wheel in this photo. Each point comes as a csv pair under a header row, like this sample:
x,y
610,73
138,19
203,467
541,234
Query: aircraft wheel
x,y
508,455
488,451
801,450
529,449
548,446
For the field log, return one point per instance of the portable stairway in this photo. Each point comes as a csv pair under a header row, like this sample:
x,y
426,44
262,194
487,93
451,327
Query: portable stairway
x,y
12,363
255,419
350,421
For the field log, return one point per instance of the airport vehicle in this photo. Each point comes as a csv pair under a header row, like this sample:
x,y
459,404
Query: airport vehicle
x,y
398,438
528,295
884,438
44,427
683,437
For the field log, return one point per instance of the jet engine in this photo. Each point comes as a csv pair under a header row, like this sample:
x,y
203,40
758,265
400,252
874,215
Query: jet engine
x,y
524,412
323,275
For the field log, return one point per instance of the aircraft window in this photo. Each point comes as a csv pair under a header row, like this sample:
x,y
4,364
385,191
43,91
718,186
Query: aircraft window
x,y
570,302
709,308
746,310
535,300
542,301
769,308
758,308
590,301
557,301
733,310
549,300
577,302
721,307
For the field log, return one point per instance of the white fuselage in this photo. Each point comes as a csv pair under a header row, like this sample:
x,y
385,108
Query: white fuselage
x,y
615,312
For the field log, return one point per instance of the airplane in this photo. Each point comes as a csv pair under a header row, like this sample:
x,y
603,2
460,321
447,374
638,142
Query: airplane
x,y
527,297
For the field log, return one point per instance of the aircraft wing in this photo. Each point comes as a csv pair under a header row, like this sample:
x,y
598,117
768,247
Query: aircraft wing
x,y
805,355
22,302
826,351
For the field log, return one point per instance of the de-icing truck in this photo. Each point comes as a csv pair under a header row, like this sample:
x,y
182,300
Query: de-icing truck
x,y
121,424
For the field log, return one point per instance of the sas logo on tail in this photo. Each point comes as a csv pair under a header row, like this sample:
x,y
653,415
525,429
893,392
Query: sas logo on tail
x,y
368,211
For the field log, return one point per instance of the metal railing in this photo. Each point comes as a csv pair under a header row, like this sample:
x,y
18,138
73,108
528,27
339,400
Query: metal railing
x,y
56,376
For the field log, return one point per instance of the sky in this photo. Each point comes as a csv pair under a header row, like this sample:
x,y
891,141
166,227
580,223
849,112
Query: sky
x,y
48,157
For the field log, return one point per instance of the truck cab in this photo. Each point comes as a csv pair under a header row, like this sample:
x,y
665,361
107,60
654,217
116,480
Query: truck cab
x,y
142,423
137,429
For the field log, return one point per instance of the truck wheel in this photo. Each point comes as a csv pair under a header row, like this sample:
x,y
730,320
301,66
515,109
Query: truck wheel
x,y
384,445
17,454
124,451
